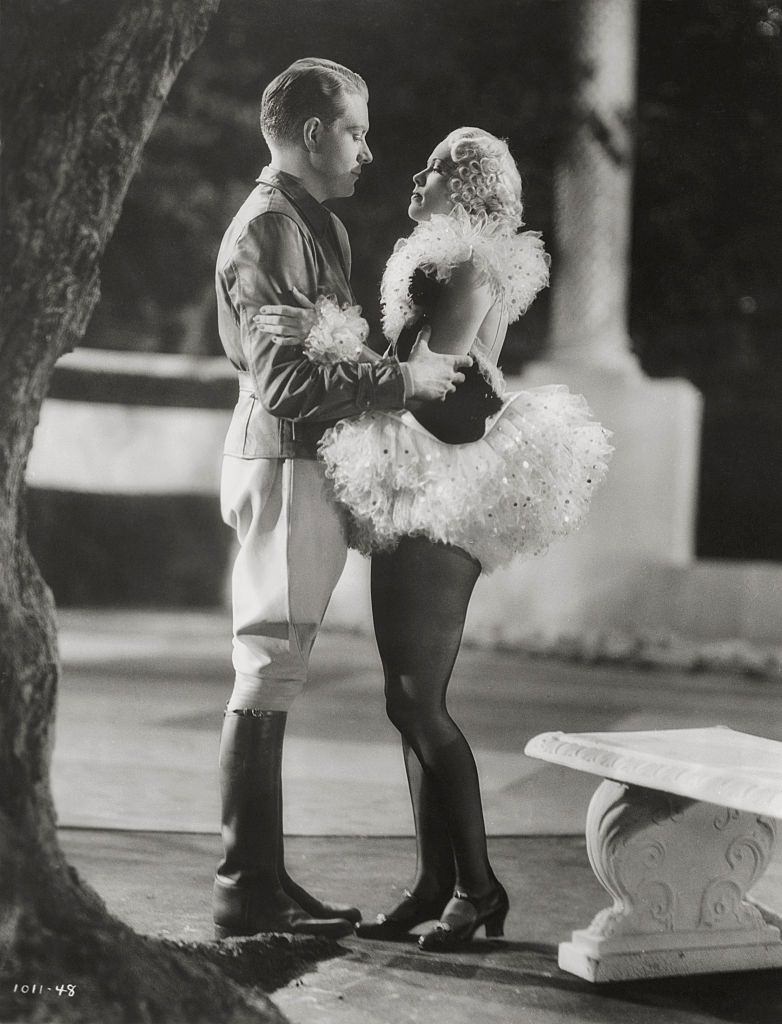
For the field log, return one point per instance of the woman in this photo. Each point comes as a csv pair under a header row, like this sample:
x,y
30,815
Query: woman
x,y
437,498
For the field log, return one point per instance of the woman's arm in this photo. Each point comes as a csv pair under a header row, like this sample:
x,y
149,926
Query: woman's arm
x,y
463,305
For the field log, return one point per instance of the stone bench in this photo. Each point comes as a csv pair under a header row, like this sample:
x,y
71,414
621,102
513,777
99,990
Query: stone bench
x,y
680,828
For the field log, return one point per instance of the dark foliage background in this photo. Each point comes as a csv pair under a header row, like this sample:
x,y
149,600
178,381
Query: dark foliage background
x,y
707,254
430,67
706,297
706,301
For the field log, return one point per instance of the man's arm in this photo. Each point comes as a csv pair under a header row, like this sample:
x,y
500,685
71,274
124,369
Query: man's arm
x,y
429,376
271,258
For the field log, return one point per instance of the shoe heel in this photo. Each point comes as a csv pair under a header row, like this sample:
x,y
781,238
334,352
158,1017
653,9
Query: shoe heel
x,y
495,925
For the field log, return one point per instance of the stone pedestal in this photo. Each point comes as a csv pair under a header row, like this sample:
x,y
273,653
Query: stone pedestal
x,y
645,508
614,574
679,831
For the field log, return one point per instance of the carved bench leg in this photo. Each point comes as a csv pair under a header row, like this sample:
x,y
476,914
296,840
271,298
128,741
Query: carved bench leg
x,y
678,871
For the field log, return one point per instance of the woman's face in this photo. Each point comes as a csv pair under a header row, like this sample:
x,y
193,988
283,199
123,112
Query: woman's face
x,y
431,193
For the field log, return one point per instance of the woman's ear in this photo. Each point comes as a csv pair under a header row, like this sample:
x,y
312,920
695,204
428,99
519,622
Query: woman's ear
x,y
312,130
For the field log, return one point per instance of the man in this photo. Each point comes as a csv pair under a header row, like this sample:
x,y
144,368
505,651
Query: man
x,y
292,549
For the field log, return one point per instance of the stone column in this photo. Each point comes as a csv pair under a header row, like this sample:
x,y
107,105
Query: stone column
x,y
625,571
593,191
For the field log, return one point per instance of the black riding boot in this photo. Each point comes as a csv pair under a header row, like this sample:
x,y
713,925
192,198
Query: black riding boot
x,y
248,894
310,904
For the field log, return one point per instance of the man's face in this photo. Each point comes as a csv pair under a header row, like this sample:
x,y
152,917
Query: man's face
x,y
343,149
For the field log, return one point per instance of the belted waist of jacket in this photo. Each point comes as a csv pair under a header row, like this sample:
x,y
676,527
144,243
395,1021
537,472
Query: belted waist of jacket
x,y
255,433
246,382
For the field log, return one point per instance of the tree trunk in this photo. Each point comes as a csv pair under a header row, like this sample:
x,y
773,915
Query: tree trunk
x,y
83,83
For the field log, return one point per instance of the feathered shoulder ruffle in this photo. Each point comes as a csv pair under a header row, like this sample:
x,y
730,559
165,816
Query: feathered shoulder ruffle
x,y
516,266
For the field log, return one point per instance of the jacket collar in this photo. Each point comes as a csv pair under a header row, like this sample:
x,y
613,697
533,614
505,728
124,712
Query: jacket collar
x,y
316,215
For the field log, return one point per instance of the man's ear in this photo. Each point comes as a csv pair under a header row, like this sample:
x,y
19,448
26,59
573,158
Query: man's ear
x,y
312,131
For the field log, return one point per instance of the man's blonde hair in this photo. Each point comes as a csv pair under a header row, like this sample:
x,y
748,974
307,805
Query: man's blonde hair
x,y
310,87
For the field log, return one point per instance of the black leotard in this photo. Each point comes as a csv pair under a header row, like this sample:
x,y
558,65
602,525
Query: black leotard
x,y
462,416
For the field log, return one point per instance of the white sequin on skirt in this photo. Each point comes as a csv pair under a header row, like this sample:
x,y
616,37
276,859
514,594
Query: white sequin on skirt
x,y
527,482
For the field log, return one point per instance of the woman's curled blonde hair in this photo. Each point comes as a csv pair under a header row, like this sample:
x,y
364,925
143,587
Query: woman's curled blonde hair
x,y
483,177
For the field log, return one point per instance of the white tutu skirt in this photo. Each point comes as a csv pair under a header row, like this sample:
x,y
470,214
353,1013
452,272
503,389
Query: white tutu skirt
x,y
527,482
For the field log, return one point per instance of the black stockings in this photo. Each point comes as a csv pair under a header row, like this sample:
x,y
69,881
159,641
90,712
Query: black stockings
x,y
420,594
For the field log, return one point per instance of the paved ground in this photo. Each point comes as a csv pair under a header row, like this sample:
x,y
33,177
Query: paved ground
x,y
137,729
159,883
141,704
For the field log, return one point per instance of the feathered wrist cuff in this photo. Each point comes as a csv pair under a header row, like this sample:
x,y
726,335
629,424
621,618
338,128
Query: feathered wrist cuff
x,y
338,334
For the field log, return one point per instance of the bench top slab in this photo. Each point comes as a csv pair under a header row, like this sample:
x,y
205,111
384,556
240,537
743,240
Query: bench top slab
x,y
717,764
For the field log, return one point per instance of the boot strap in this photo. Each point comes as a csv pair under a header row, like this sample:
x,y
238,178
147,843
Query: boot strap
x,y
249,712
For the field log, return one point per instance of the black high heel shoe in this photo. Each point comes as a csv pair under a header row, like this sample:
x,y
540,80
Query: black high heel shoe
x,y
412,910
463,916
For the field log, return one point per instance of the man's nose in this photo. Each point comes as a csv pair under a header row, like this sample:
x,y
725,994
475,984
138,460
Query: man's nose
x,y
366,154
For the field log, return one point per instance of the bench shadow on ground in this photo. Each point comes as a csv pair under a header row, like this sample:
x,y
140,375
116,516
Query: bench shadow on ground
x,y
753,997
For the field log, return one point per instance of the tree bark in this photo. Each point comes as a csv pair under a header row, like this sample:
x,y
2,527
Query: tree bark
x,y
83,84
